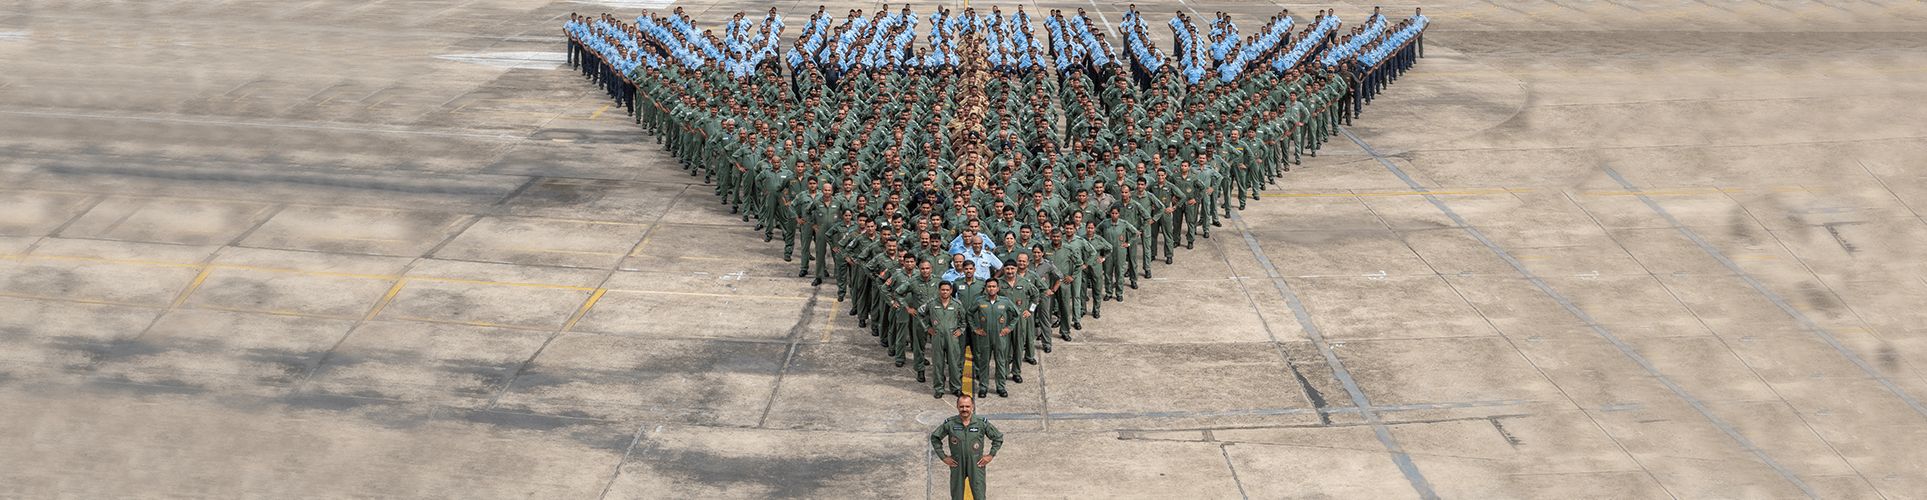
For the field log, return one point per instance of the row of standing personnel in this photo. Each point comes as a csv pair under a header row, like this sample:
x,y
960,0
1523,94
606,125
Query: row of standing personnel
x,y
1081,191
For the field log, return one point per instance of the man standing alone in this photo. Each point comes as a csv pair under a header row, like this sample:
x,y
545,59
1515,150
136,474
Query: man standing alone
x,y
963,436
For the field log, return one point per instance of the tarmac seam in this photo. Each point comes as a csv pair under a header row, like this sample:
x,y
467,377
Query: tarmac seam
x,y
625,459
796,337
1515,347
1225,448
1588,321
1778,397
456,232
1890,192
1359,400
1311,395
270,125
1775,298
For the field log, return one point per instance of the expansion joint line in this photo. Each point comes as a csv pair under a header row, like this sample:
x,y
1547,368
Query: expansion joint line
x,y
1584,318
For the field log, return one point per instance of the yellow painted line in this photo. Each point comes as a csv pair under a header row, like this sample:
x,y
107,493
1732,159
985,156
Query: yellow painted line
x,y
526,116
89,301
1668,192
584,310
471,323
532,285
293,271
698,294
579,221
599,111
385,299
283,313
1317,195
1801,189
542,102
706,258
537,250
830,326
91,259
191,286
341,238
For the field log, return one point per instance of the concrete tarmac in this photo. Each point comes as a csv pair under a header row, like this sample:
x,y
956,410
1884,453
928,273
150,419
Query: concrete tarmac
x,y
396,249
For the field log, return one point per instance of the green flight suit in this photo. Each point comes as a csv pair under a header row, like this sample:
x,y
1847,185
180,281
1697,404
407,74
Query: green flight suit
x,y
945,324
992,343
809,208
1122,236
964,442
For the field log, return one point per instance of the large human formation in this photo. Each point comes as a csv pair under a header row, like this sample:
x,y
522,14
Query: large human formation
x,y
992,186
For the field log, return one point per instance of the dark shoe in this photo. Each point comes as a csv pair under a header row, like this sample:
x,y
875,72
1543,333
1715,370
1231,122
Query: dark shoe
x,y
1066,337
957,393
1241,206
759,227
981,394
900,363
1046,351
1147,274
733,210
937,395
1214,223
1075,326
802,273
921,380
766,238
817,282
1167,261
1002,393
1016,378
786,258
1032,362
839,296
1189,245
1120,298
865,324
745,216
1095,315
853,313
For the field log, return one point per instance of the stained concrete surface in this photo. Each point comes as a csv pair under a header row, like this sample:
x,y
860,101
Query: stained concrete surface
x,y
1600,249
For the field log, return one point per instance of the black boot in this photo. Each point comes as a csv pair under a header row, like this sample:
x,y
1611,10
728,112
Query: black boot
x,y
1017,378
920,380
